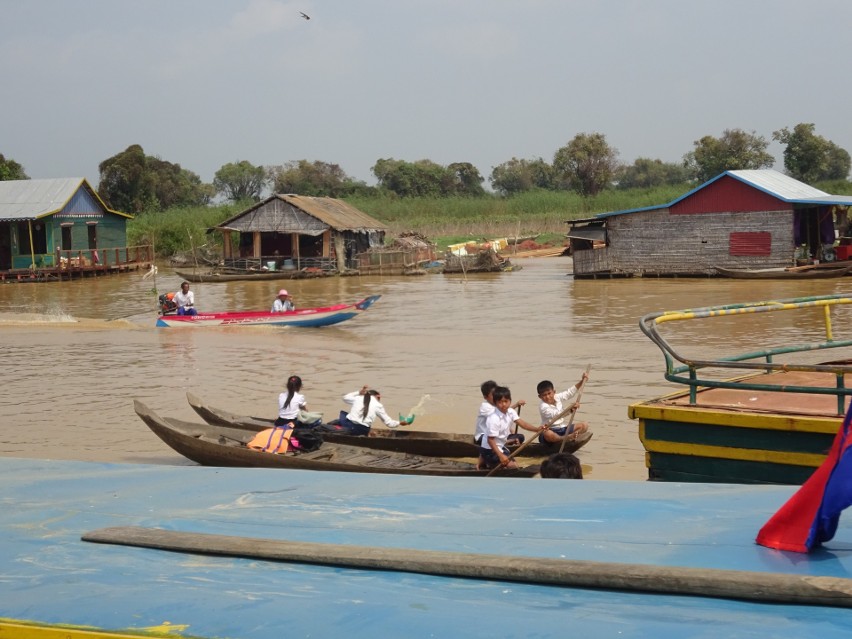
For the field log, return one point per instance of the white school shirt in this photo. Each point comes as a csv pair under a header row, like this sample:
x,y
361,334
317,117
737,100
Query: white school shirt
x,y
485,409
279,306
549,411
499,425
292,411
356,400
184,300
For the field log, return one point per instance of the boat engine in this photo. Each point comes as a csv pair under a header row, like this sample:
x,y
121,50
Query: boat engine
x,y
167,304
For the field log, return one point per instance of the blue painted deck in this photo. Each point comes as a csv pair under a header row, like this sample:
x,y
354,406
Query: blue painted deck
x,y
48,575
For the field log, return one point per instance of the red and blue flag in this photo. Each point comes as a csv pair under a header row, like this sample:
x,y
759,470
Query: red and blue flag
x,y
811,515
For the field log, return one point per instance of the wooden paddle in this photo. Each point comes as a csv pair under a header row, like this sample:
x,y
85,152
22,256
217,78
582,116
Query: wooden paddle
x,y
576,401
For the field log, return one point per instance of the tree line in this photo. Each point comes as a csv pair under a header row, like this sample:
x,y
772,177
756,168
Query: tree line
x,y
134,182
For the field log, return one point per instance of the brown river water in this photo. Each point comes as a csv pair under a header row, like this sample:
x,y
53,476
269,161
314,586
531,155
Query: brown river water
x,y
75,354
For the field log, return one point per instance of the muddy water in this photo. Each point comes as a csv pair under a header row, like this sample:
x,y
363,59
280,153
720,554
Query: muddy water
x,y
74,355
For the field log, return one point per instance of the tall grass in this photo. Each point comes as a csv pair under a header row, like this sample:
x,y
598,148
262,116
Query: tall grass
x,y
534,212
443,220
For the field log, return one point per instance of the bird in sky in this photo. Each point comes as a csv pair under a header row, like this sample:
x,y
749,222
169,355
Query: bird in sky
x,y
304,15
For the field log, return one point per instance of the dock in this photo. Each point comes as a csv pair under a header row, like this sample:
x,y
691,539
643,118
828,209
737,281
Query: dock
x,y
52,579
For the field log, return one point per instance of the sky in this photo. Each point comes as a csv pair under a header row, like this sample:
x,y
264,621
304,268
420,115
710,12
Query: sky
x,y
206,82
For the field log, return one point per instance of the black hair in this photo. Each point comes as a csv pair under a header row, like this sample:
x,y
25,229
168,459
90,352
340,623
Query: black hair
x,y
487,387
294,385
545,385
501,392
367,396
562,466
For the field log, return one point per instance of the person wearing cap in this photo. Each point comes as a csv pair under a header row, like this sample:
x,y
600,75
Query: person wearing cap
x,y
283,302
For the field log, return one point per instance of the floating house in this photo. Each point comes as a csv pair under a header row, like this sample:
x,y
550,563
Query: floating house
x,y
60,228
738,220
287,232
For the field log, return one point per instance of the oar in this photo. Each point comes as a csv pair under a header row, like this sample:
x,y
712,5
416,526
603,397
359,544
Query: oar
x,y
576,401
531,439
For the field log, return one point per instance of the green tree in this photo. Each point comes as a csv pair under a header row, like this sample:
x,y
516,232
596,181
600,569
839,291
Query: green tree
x,y
587,164
11,170
466,179
423,178
132,182
811,158
518,176
240,181
736,149
316,179
647,173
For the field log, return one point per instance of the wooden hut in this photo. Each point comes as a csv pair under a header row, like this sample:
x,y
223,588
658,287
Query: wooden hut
x,y
737,220
289,232
54,228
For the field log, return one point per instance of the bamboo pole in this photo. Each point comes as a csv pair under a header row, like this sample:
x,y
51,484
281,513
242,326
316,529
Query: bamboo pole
x,y
704,582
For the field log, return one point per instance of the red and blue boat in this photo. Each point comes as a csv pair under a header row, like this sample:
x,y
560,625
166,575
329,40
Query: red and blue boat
x,y
305,317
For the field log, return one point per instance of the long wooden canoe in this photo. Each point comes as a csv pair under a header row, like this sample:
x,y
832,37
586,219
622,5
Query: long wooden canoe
x,y
305,317
783,274
430,443
210,445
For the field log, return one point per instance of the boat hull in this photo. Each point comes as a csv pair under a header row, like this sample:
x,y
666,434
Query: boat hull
x,y
714,444
305,318
429,443
784,274
220,446
211,278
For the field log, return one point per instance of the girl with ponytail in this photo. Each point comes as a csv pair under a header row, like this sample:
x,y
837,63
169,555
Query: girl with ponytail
x,y
366,406
292,405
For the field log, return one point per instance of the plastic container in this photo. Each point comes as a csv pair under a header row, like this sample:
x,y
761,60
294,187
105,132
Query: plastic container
x,y
288,265
271,265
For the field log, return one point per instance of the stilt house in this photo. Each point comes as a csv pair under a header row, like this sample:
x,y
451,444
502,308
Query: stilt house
x,y
298,232
738,220
54,225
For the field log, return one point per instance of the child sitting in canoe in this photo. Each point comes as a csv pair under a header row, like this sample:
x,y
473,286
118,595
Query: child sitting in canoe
x,y
366,406
292,406
498,428
551,405
485,409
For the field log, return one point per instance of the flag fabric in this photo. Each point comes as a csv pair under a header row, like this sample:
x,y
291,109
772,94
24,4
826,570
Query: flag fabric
x,y
811,515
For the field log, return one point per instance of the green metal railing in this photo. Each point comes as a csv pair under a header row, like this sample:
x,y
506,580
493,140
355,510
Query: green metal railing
x,y
688,372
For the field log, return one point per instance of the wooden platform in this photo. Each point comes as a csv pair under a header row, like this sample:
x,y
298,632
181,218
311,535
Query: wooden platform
x,y
50,576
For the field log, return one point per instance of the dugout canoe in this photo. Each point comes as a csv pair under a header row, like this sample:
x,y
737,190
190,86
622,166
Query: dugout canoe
x,y
211,445
783,274
429,443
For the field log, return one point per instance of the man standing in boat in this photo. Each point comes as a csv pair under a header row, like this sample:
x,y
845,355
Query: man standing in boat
x,y
185,300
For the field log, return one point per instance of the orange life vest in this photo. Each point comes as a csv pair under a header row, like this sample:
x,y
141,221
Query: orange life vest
x,y
273,440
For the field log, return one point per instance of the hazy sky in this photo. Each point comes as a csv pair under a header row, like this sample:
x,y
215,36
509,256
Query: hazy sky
x,y
207,82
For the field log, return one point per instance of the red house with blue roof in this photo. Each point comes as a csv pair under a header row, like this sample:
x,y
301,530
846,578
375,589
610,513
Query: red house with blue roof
x,y
738,220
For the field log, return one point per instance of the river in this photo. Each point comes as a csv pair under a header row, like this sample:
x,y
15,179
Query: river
x,y
75,354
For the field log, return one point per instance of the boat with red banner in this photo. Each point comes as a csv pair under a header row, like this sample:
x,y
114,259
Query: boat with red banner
x,y
305,317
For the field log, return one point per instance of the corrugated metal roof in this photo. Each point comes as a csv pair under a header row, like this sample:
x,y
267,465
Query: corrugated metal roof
x,y
31,199
777,184
767,180
332,212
